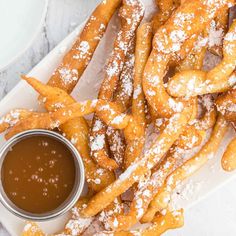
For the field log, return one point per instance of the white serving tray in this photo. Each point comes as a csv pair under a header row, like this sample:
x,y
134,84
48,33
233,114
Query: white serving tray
x,y
205,181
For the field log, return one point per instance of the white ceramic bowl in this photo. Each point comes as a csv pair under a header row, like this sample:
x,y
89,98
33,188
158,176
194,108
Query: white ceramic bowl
x,y
20,21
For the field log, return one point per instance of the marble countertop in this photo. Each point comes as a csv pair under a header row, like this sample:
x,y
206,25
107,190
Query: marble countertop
x,y
214,216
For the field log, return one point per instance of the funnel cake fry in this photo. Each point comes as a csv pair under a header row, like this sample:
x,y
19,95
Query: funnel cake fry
x,y
194,59
122,97
52,98
76,60
208,121
190,167
131,13
111,114
226,104
96,177
32,228
124,91
165,48
136,130
190,138
160,224
228,161
117,144
218,28
13,117
133,173
166,8
163,223
219,79
77,225
195,132
134,125
145,192
54,119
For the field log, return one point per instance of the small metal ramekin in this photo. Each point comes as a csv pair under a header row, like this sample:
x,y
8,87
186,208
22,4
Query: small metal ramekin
x,y
73,197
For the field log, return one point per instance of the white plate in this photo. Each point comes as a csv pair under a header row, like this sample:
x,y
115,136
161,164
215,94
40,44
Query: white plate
x,y
202,183
20,21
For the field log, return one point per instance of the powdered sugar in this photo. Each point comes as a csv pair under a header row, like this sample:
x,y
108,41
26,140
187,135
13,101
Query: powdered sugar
x,y
98,143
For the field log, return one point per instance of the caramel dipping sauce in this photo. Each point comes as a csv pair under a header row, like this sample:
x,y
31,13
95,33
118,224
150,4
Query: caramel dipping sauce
x,y
38,174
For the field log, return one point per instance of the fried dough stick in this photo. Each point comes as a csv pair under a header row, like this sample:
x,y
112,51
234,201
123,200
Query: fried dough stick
x,y
134,125
122,97
76,225
51,120
165,50
165,9
226,104
228,161
145,192
76,60
219,79
76,129
148,188
192,136
140,167
131,13
218,28
135,131
32,229
190,167
13,117
160,224
194,60
163,223
195,131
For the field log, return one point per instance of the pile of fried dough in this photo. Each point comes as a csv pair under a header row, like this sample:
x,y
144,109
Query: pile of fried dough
x,y
155,78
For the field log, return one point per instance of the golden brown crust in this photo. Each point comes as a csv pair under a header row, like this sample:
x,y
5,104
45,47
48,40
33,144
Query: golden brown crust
x,y
131,14
190,167
166,48
221,78
67,75
228,161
